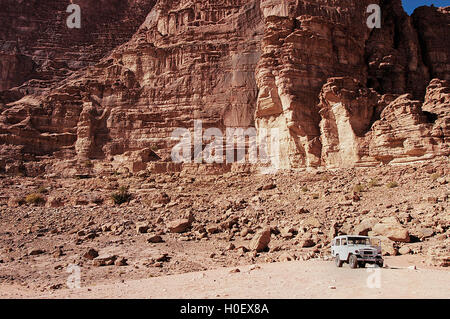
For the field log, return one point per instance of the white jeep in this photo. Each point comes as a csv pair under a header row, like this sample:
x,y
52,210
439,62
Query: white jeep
x,y
356,251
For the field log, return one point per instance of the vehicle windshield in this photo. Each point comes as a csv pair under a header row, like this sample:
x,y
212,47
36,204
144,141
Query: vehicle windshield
x,y
359,241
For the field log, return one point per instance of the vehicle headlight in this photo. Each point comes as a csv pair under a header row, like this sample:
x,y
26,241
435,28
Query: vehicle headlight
x,y
357,251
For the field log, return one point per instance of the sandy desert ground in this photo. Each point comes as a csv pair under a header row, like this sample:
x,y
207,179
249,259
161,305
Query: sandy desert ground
x,y
296,279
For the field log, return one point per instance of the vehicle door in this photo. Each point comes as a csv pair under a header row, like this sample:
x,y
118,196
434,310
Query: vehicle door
x,y
343,249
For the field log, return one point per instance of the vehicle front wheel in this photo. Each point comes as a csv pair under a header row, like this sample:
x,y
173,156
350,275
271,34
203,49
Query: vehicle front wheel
x,y
338,261
362,264
353,261
380,264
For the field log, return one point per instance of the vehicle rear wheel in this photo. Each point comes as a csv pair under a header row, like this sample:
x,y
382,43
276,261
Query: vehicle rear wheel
x,y
353,261
338,261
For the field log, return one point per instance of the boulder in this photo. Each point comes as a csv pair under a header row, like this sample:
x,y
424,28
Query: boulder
x,y
284,257
405,250
179,225
121,262
261,240
306,243
391,228
35,252
425,233
90,254
142,228
388,247
54,202
438,255
105,260
312,222
365,226
155,239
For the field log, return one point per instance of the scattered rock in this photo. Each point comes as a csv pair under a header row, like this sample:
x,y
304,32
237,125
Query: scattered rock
x,y
230,246
425,233
163,258
155,239
107,260
405,250
142,228
269,186
312,222
35,252
391,228
212,229
180,225
365,226
432,200
261,240
303,210
388,247
286,257
439,255
306,243
54,202
90,254
121,261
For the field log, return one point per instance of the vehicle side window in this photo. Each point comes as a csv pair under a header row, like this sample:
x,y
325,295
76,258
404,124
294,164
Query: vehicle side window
x,y
344,241
338,242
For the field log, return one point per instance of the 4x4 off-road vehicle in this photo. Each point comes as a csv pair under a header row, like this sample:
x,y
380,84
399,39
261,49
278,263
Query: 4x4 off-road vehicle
x,y
356,251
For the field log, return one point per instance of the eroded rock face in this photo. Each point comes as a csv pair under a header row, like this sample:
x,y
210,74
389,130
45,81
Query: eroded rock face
x,y
304,45
360,127
336,91
15,68
38,30
406,133
347,109
394,55
432,28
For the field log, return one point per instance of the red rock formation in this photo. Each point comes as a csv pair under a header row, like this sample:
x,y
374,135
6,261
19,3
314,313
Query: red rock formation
x,y
393,54
307,43
15,68
347,109
432,26
312,69
301,50
404,133
361,128
39,30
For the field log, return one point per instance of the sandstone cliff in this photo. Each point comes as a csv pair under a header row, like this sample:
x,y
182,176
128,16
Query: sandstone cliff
x,y
37,30
340,93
